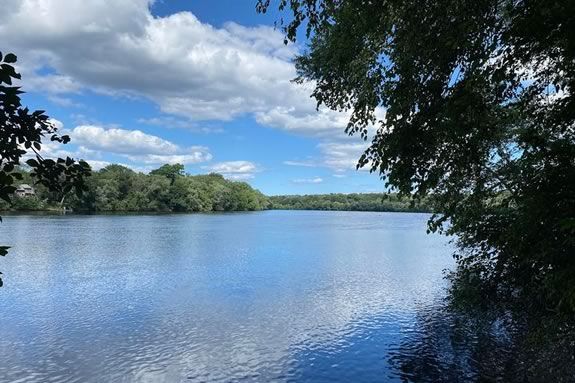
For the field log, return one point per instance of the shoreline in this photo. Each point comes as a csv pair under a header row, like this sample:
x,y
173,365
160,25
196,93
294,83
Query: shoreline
x,y
8,213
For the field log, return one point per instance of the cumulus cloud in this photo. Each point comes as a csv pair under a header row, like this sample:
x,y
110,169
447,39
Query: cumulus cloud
x,y
340,156
56,150
137,145
121,141
187,67
237,170
98,164
315,180
191,70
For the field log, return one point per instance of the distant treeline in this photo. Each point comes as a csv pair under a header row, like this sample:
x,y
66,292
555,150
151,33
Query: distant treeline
x,y
117,188
352,202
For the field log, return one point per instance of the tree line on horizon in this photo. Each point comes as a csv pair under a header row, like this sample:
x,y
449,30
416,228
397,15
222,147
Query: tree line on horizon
x,y
116,188
350,202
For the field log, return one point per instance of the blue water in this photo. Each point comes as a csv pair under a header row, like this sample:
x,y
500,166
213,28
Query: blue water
x,y
264,296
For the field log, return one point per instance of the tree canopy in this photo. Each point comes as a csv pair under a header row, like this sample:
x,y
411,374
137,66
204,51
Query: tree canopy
x,y
116,188
169,171
479,111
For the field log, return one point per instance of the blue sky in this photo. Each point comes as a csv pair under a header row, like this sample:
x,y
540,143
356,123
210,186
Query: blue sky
x,y
204,83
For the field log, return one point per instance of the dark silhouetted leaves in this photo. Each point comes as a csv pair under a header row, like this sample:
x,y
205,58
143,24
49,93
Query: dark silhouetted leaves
x,y
21,127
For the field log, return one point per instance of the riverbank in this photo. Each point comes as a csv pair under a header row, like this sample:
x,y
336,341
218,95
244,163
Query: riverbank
x,y
378,202
374,202
116,188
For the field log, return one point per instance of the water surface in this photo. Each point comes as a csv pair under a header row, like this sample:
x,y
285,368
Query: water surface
x,y
266,296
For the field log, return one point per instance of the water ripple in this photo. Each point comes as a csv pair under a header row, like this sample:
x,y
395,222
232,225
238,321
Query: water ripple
x,y
271,296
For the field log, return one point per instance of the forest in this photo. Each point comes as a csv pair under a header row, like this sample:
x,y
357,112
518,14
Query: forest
x,y
349,202
117,188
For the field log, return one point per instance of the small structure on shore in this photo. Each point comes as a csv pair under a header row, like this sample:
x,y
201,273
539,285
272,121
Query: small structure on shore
x,y
25,190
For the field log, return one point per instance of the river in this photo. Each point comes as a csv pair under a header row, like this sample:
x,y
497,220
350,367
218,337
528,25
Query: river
x,y
300,296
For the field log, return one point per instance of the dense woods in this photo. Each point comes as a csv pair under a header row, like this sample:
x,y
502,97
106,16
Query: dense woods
x,y
350,202
117,188
167,189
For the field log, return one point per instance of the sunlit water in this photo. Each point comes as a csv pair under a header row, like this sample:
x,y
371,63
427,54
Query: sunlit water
x,y
266,296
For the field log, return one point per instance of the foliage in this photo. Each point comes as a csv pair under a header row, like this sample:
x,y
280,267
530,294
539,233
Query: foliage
x,y
169,171
166,189
117,188
21,137
349,202
479,110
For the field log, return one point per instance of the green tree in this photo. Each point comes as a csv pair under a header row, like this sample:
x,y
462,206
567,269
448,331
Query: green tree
x,y
118,188
21,137
169,171
479,112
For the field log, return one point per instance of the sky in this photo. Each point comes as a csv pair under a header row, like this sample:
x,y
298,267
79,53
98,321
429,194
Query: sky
x,y
205,83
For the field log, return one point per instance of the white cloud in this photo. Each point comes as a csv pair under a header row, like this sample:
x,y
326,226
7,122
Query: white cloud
x,y
187,67
97,164
56,123
237,170
319,122
341,157
91,142
338,156
198,154
56,150
315,180
193,71
121,140
137,145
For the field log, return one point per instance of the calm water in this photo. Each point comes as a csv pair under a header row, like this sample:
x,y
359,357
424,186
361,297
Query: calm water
x,y
267,296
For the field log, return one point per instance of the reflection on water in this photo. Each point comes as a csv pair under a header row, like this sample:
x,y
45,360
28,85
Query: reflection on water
x,y
461,343
448,346
283,296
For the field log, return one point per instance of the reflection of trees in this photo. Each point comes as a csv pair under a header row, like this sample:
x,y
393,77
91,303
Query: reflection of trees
x,y
449,345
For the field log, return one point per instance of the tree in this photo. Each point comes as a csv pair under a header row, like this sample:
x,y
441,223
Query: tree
x,y
118,188
169,171
21,137
479,113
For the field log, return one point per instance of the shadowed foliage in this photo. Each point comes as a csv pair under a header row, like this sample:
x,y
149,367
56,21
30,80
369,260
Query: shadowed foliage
x,y
472,102
21,139
479,110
